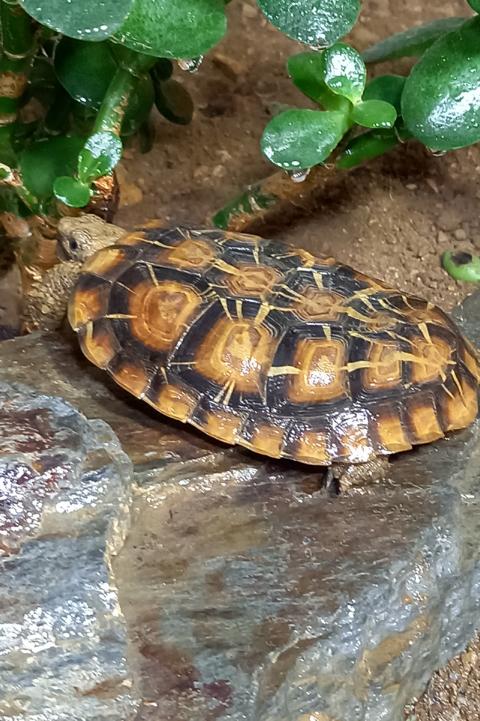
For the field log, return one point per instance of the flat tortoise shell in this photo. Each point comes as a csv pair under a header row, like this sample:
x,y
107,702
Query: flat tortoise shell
x,y
268,346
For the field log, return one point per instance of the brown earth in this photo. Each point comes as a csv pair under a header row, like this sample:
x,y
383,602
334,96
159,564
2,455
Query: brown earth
x,y
391,219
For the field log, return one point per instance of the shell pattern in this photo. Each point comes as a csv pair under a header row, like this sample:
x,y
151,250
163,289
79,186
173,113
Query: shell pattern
x,y
268,346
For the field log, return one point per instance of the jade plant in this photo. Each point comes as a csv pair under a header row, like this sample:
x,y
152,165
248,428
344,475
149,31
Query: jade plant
x,y
437,103
79,78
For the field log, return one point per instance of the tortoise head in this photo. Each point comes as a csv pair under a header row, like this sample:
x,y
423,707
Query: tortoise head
x,y
81,237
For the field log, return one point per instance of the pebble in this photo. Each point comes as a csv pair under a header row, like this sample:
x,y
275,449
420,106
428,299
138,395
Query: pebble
x,y
460,234
248,11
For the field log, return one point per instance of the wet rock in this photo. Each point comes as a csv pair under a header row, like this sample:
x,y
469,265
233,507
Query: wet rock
x,y
65,488
250,595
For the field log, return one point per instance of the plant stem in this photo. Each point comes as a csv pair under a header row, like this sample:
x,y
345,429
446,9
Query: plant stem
x,y
273,197
18,45
112,111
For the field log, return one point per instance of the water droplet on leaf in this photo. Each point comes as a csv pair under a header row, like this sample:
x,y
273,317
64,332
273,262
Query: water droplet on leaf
x,y
191,65
298,176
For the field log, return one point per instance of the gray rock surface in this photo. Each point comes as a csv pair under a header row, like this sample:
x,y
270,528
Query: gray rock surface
x,y
249,595
65,495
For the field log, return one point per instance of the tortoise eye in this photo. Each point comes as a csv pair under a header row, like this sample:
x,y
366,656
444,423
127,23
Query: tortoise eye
x,y
73,244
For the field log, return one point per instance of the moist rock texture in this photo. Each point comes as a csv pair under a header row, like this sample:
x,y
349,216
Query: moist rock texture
x,y
64,507
250,595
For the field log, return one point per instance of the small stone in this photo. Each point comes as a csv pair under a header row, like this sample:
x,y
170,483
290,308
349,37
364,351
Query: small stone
x,y
411,186
449,218
230,67
249,11
442,237
218,171
460,234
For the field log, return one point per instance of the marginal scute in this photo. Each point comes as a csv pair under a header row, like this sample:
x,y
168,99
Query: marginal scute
x,y
460,405
131,374
389,429
423,418
225,425
268,440
352,435
89,301
313,448
286,353
99,343
174,401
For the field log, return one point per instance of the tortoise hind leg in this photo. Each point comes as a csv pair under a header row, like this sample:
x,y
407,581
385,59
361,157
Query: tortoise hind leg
x,y
342,477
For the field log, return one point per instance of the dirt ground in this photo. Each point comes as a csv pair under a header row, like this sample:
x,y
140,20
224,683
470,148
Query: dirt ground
x,y
391,219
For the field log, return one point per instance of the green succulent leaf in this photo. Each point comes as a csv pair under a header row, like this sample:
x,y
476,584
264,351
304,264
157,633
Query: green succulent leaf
x,y
344,71
475,5
45,160
462,266
85,70
367,146
306,71
374,114
174,102
300,139
71,191
412,42
388,88
99,156
179,29
81,19
317,23
441,99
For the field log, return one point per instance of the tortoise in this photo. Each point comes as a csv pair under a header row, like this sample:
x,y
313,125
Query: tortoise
x,y
268,346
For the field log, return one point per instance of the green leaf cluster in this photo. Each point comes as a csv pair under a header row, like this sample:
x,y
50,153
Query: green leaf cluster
x,y
438,103
335,79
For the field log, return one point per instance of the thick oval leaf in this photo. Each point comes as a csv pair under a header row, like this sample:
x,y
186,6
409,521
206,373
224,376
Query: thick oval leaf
x,y
81,19
374,114
475,5
174,102
412,42
71,191
162,70
45,160
317,23
99,156
85,70
300,139
441,99
306,71
180,29
388,88
462,266
366,147
344,71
